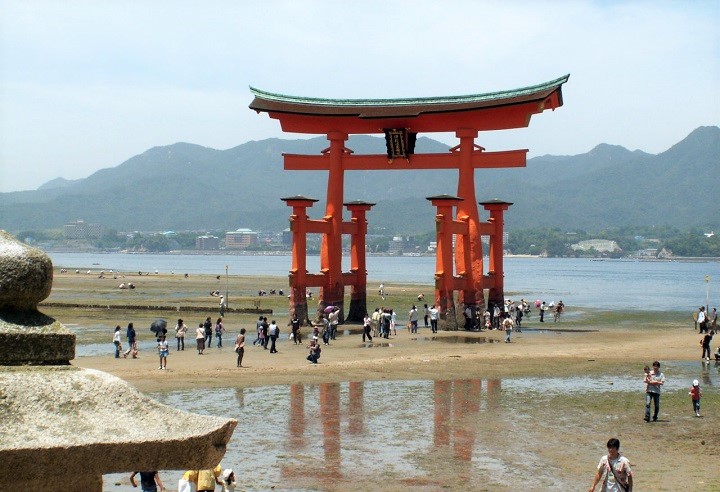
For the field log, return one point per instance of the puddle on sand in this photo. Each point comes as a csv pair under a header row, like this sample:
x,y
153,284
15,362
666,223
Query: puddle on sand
x,y
458,339
376,344
334,436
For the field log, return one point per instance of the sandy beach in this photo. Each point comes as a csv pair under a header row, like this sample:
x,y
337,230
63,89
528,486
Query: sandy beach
x,y
566,434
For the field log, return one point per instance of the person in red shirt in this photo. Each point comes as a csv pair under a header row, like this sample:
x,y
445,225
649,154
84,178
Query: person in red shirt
x,y
695,394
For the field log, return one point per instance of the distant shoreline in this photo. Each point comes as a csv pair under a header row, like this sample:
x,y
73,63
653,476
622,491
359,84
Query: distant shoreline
x,y
192,252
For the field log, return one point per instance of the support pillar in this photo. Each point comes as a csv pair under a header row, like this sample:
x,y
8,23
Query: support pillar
x,y
469,252
298,271
358,266
332,292
444,265
496,273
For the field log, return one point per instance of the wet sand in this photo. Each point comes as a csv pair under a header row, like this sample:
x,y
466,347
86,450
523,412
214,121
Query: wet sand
x,y
551,443
567,435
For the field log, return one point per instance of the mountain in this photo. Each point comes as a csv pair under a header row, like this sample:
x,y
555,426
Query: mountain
x,y
190,187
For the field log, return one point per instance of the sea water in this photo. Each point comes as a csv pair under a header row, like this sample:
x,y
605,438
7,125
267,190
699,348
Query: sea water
x,y
606,284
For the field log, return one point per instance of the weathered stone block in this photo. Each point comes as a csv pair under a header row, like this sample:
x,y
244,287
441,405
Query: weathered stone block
x,y
26,275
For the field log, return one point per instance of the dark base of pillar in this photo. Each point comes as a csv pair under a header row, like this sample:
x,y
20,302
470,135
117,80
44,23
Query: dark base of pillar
x,y
497,296
358,307
298,305
448,317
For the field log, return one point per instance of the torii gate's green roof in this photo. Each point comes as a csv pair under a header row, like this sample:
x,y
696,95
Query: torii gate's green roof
x,y
272,102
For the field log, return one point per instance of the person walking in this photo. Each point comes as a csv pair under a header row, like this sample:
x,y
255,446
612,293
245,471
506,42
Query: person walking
x,y
367,328
222,306
180,330
426,315
702,319
705,343
334,319
655,381
508,326
375,320
264,338
434,313
240,347
149,481
413,319
219,330
207,326
116,342
695,394
200,338
273,331
295,327
615,469
132,342
325,330
258,326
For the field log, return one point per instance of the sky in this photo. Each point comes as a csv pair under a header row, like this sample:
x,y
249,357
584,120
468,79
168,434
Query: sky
x,y
86,85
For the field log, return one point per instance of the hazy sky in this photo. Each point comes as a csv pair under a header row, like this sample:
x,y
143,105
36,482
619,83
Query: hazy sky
x,y
86,85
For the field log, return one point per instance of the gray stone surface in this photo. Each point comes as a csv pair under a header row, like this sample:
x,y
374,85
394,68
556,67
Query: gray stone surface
x,y
61,427
30,337
25,275
66,425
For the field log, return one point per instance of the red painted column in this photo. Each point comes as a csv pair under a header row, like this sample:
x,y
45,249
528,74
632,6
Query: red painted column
x,y
495,270
468,252
298,271
358,266
332,293
444,265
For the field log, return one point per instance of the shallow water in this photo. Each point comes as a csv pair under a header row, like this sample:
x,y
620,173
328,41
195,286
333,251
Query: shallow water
x,y
611,284
311,437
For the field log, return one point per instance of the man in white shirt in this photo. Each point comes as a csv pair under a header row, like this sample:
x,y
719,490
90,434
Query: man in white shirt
x,y
434,313
413,319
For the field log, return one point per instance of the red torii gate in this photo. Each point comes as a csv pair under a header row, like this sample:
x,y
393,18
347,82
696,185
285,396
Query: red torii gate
x,y
401,120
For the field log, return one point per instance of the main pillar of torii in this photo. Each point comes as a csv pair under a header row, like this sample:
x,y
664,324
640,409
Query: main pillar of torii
x,y
401,120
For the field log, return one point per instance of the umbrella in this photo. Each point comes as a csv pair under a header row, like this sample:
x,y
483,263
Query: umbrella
x,y
330,309
159,326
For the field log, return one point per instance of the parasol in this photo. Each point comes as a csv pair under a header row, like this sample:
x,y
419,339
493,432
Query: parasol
x,y
159,326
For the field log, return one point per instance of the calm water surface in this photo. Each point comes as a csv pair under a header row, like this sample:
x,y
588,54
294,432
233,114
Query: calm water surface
x,y
305,436
607,284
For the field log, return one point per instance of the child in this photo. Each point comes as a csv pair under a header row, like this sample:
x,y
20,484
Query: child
x,y
162,351
695,394
229,479
646,380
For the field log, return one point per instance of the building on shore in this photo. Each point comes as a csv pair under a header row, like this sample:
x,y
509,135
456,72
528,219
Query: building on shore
x,y
83,230
207,242
240,239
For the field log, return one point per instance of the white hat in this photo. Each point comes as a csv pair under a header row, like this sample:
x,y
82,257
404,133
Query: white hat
x,y
696,382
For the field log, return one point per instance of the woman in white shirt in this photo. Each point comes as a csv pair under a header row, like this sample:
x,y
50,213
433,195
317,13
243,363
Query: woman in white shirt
x,y
116,342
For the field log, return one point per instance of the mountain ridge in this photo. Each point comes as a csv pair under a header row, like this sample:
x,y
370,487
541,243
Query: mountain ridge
x,y
185,186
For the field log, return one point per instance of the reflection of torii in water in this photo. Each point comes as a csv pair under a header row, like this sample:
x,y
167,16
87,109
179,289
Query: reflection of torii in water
x,y
401,120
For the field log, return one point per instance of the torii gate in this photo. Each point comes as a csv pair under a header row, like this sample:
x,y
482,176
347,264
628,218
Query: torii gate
x,y
401,120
